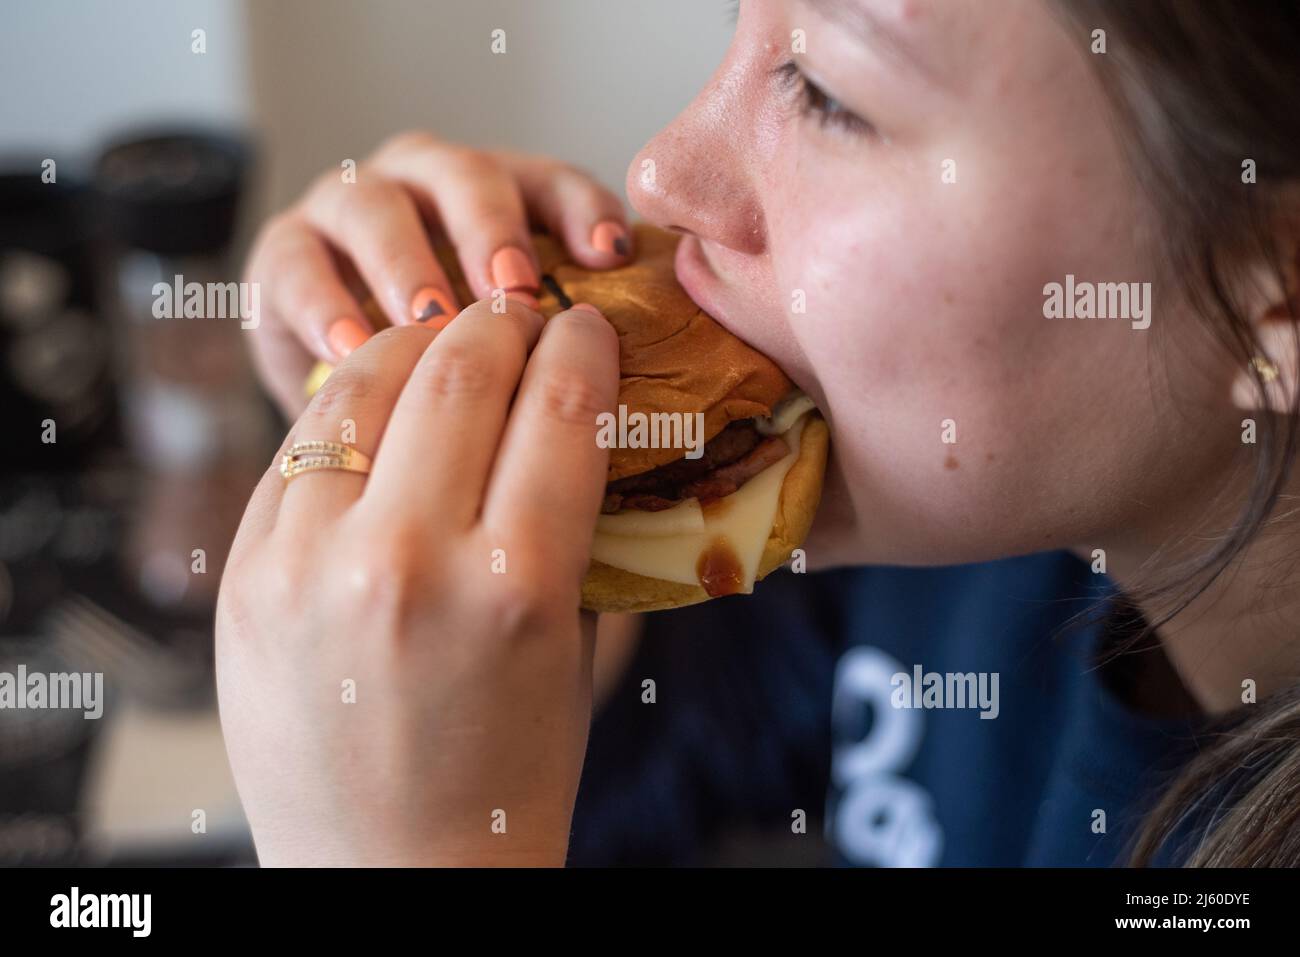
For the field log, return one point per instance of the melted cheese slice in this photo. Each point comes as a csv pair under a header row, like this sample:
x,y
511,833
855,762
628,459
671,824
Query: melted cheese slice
x,y
785,415
668,544
684,518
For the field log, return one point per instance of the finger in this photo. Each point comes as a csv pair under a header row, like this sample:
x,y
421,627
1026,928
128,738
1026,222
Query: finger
x,y
297,277
377,223
574,207
282,364
549,478
444,432
263,505
353,408
481,211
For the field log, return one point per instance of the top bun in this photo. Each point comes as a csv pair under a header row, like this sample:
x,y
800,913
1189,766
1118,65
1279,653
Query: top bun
x,y
673,357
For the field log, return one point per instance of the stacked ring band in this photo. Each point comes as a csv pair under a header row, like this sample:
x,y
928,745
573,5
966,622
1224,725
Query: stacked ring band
x,y
320,455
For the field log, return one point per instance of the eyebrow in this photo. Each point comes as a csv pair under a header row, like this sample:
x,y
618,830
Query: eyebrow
x,y
870,29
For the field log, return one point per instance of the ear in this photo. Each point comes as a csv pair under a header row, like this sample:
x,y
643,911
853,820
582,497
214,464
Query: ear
x,y
1275,367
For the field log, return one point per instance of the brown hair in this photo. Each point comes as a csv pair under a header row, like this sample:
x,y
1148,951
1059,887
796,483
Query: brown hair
x,y
1200,87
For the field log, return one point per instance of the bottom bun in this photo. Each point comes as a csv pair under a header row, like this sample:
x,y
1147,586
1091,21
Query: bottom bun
x,y
609,589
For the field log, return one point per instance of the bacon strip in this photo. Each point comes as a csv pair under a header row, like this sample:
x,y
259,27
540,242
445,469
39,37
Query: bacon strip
x,y
730,459
725,480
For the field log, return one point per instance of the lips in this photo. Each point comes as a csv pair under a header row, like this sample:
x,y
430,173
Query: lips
x,y
701,283
709,290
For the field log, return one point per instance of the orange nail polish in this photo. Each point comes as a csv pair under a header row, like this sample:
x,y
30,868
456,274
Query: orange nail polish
x,y
513,271
610,237
432,306
345,335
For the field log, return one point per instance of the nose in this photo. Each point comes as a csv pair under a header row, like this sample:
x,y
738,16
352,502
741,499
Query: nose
x,y
695,175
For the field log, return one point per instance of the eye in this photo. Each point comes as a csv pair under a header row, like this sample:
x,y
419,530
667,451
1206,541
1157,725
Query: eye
x,y
812,100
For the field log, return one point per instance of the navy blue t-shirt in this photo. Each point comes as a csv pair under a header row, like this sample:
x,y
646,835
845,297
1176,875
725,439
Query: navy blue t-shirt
x,y
855,698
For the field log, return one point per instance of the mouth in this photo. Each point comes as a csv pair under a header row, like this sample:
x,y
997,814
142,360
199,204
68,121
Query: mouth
x,y
696,275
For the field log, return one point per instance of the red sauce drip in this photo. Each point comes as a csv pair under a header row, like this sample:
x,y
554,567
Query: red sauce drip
x,y
719,570
715,507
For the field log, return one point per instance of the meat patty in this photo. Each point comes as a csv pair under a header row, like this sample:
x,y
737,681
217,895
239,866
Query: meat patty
x,y
729,460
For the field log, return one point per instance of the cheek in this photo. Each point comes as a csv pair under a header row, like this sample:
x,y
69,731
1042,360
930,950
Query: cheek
x,y
924,323
897,318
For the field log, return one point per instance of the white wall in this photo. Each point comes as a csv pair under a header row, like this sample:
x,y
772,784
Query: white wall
x,y
324,80
586,80
75,72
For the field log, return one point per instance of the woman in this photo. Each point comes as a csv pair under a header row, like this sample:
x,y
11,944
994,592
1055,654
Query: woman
x,y
947,186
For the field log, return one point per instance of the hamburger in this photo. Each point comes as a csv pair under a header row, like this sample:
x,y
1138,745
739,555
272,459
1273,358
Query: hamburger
x,y
716,459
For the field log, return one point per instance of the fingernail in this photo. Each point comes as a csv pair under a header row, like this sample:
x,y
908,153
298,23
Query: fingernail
x,y
513,271
433,306
610,237
345,335
586,307
527,299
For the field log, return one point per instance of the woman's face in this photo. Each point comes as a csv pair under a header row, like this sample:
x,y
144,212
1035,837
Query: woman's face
x,y
952,159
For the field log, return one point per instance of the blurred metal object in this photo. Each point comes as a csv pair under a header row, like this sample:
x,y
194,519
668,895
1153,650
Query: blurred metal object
x,y
112,538
6,592
43,755
55,369
94,639
195,419
174,192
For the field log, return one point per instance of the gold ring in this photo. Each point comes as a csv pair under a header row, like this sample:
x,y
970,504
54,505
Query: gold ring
x,y
1266,369
311,456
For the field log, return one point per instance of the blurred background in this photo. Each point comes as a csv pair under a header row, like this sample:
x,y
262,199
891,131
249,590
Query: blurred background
x,y
142,139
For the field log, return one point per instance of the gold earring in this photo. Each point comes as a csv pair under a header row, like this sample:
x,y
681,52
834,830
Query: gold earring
x,y
1267,370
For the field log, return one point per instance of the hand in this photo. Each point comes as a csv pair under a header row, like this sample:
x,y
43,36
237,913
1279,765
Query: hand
x,y
413,189
472,687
